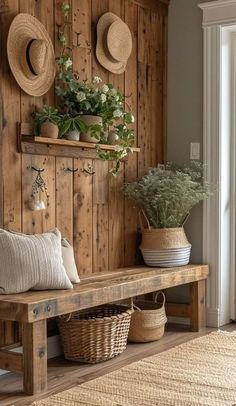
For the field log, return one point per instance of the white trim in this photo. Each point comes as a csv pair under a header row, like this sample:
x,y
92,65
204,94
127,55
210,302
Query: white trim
x,y
219,156
213,317
211,160
218,12
232,182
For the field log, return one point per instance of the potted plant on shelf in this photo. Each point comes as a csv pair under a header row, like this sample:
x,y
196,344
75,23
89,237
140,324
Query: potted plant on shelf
x,y
102,109
166,195
47,122
100,106
71,127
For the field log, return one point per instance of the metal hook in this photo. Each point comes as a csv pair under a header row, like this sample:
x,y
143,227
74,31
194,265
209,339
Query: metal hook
x,y
89,170
71,170
37,169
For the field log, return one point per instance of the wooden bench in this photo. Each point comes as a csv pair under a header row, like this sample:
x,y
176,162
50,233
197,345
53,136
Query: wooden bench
x,y
32,309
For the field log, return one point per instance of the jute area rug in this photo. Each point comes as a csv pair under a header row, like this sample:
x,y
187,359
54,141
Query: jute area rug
x,y
199,372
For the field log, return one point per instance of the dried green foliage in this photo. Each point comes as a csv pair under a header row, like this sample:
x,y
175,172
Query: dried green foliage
x,y
168,193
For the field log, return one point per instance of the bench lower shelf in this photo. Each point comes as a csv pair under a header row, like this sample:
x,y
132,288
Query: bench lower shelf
x,y
32,309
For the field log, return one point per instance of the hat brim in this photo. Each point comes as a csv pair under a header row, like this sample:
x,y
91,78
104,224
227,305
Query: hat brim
x,y
25,27
101,52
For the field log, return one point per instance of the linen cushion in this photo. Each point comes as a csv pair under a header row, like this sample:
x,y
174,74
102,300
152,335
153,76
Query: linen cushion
x,y
69,261
31,262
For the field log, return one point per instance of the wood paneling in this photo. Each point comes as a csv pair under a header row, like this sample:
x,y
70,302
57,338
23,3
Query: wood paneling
x,y
89,210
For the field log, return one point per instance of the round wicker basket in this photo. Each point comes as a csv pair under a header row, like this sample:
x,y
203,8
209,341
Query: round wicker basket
x,y
95,335
148,320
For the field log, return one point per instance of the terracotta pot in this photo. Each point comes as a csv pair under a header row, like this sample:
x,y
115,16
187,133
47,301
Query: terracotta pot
x,y
90,120
165,247
49,130
73,135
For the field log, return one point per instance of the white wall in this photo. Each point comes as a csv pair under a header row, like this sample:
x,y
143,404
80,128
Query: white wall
x,y
185,102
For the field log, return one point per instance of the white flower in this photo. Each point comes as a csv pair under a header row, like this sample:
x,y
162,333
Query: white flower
x,y
97,79
81,96
117,98
119,148
132,118
124,153
103,97
105,88
117,113
113,91
68,63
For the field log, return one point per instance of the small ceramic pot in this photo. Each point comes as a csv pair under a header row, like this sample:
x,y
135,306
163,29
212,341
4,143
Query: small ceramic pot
x,y
73,135
90,120
49,130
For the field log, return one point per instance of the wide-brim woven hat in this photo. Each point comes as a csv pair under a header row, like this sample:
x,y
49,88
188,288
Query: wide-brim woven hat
x,y
31,55
114,43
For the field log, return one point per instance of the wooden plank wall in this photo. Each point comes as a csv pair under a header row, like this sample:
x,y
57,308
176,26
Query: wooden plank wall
x,y
90,211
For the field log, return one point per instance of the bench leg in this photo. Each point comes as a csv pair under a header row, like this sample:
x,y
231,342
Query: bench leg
x,y
198,305
34,341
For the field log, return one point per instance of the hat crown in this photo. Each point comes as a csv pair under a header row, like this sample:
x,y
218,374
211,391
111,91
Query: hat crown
x,y
38,55
119,41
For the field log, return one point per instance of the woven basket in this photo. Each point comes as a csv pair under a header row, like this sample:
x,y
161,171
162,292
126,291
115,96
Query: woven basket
x,y
164,247
49,130
148,320
95,335
90,120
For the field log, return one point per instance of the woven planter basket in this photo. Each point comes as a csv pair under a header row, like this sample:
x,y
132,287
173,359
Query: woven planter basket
x,y
49,130
95,335
148,320
164,247
90,120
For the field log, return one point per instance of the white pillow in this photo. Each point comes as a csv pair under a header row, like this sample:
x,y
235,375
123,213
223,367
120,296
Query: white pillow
x,y
69,261
31,262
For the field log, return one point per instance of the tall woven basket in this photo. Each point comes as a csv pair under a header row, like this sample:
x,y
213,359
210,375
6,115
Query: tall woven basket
x,y
95,335
164,247
148,320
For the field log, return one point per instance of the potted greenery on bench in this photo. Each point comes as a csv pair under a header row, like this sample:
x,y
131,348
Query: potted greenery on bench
x,y
166,195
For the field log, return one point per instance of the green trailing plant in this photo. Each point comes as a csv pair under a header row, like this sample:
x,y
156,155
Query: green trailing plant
x,y
93,98
167,193
126,141
78,98
69,123
46,114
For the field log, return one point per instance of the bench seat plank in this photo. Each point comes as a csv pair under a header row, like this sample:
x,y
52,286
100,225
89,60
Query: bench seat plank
x,y
96,290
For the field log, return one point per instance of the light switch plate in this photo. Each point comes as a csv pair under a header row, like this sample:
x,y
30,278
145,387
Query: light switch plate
x,y
195,150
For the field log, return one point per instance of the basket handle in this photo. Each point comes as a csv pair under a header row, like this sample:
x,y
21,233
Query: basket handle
x,y
136,307
140,214
163,297
185,219
66,317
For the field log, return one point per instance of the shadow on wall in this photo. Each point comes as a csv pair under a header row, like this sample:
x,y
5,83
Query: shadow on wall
x,y
3,9
2,118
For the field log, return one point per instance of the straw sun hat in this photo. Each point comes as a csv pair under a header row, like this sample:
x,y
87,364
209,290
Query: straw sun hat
x,y
114,43
31,55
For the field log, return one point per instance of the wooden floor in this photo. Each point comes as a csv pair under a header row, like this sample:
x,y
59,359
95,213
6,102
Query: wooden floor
x,y
63,375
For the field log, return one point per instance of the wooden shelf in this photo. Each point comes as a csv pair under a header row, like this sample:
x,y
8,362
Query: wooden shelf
x,y
30,144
